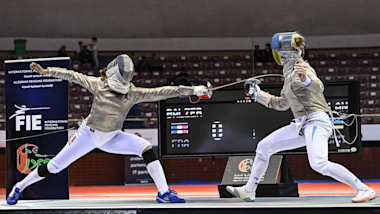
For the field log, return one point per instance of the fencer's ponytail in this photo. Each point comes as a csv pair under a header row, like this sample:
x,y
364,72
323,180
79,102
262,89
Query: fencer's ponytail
x,y
298,42
102,73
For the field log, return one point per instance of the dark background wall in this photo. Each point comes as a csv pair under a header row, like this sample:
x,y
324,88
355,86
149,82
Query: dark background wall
x,y
184,18
99,168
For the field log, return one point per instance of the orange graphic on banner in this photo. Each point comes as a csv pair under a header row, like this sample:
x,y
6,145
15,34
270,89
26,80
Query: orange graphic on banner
x,y
29,159
245,165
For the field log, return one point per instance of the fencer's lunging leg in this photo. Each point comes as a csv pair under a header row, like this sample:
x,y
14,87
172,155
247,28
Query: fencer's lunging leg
x,y
30,179
285,138
130,144
155,170
317,151
259,167
124,143
78,146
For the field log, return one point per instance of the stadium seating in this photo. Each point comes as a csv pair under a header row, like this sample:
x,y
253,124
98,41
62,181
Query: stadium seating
x,y
223,68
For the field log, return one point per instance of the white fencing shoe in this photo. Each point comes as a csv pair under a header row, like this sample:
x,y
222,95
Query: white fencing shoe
x,y
364,195
240,192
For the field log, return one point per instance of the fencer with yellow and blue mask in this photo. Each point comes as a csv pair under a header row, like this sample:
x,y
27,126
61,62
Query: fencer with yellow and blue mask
x,y
286,50
302,93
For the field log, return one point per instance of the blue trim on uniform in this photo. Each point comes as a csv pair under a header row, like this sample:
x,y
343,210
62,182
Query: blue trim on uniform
x,y
338,122
313,132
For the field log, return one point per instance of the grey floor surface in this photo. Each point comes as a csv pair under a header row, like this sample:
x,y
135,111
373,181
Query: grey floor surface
x,y
149,203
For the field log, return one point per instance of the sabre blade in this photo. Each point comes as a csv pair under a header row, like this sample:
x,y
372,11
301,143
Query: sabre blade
x,y
250,78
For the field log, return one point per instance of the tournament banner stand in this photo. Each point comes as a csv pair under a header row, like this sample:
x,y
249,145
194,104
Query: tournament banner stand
x,y
36,125
275,182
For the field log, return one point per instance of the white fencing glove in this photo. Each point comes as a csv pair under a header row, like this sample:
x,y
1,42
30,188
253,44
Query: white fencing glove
x,y
200,90
252,88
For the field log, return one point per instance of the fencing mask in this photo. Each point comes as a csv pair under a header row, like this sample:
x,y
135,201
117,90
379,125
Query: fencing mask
x,y
288,45
120,73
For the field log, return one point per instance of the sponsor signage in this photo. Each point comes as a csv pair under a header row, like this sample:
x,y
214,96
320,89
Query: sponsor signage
x,y
135,168
36,125
238,170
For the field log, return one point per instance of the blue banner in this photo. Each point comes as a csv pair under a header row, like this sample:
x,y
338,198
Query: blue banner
x,y
36,125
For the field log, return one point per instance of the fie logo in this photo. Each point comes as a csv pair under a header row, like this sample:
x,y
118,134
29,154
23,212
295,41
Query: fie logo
x,y
30,122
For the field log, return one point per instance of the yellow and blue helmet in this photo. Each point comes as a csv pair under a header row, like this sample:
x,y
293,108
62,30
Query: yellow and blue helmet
x,y
284,42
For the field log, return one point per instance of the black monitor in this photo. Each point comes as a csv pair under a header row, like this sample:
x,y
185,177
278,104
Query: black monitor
x,y
232,124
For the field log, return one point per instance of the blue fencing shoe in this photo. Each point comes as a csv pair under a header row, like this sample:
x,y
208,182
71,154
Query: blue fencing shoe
x,y
14,196
169,197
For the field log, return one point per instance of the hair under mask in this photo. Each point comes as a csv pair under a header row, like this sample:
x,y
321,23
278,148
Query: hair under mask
x,y
289,42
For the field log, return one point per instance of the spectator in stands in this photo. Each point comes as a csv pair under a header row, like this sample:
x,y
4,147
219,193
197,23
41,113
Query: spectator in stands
x,y
267,54
80,47
94,52
155,63
75,58
195,81
62,51
258,54
143,65
85,56
115,95
134,59
180,79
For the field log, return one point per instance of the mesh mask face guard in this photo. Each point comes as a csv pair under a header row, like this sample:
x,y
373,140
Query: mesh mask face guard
x,y
120,73
282,46
116,82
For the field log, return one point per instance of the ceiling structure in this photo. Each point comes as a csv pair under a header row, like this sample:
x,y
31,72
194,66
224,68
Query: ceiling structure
x,y
186,18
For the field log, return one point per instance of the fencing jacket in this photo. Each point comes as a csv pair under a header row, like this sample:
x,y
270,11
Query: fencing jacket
x,y
302,100
109,109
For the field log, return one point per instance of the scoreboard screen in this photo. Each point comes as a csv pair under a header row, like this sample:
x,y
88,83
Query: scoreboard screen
x,y
230,123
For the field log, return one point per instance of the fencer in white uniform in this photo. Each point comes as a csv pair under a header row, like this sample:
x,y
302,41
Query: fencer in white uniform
x,y
302,92
114,95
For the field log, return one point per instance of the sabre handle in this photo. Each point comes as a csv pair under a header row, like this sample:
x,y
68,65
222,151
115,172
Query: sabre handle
x,y
209,92
251,87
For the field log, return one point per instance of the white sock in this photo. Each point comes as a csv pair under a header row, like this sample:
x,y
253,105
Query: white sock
x,y
157,173
340,173
259,168
30,179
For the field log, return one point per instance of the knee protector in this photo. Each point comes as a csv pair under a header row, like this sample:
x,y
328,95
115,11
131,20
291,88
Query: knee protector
x,y
149,156
43,171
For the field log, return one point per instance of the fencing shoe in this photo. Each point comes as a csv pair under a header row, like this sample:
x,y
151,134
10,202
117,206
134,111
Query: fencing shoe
x,y
169,197
364,195
13,196
240,192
